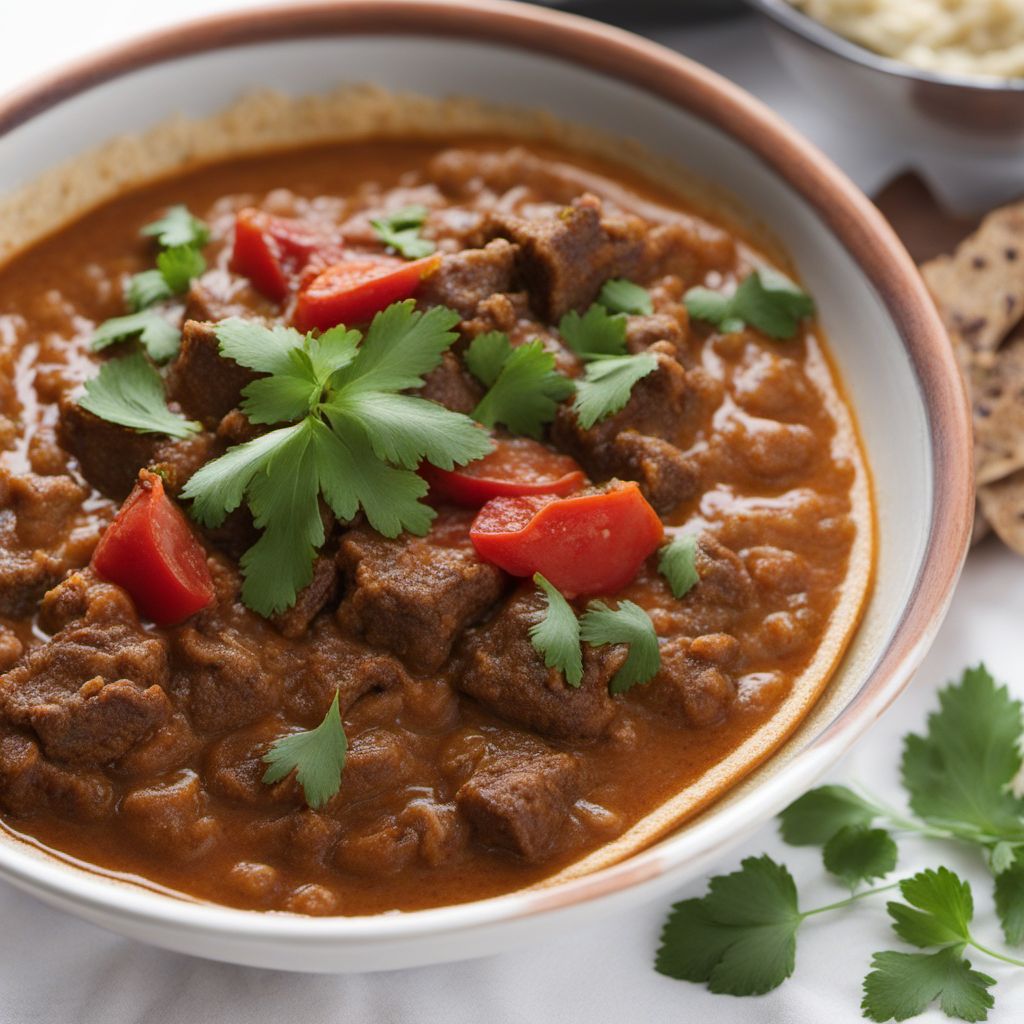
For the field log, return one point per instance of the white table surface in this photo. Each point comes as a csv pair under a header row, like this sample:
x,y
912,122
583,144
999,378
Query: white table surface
x,y
58,970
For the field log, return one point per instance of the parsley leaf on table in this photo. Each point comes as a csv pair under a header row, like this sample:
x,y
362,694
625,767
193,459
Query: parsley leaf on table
x,y
818,815
317,757
1009,897
741,937
678,564
130,392
621,296
857,853
400,230
765,299
357,441
556,637
177,227
599,339
523,387
628,624
159,338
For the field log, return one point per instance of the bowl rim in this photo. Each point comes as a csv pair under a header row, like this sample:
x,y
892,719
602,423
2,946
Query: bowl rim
x,y
783,14
837,203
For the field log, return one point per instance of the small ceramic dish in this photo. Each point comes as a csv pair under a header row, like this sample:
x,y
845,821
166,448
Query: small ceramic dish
x,y
885,337
964,135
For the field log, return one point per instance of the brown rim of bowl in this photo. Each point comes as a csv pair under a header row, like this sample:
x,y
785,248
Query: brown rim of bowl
x,y
852,218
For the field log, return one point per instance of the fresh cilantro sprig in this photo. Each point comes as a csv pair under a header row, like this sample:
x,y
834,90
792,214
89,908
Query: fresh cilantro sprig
x,y
317,757
180,236
958,777
765,299
678,564
400,230
741,937
355,440
556,637
599,339
130,392
523,387
621,296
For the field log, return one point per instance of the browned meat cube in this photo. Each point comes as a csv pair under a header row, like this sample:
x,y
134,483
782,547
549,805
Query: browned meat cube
x,y
464,279
519,801
320,591
499,666
205,384
452,386
565,259
413,597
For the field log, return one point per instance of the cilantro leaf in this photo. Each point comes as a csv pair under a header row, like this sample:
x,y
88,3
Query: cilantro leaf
x,y
401,231
607,385
621,296
857,853
177,227
526,392
594,335
678,564
146,289
317,757
486,355
160,339
556,637
940,911
741,937
1009,896
628,624
356,443
130,392
958,774
765,299
903,985
817,816
175,269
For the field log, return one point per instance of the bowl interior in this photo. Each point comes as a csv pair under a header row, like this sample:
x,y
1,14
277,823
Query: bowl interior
x,y
881,380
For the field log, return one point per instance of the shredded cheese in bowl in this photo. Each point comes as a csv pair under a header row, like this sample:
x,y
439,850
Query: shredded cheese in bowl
x,y
964,37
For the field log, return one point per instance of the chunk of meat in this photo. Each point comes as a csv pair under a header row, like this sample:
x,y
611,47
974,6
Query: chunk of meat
x,y
11,648
694,681
217,295
235,766
644,331
464,279
413,597
499,666
452,386
520,800
93,691
563,260
205,384
42,506
171,817
110,456
30,783
640,441
320,591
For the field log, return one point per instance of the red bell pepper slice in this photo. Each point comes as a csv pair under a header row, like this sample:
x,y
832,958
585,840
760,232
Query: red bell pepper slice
x,y
150,550
516,466
589,543
271,250
351,292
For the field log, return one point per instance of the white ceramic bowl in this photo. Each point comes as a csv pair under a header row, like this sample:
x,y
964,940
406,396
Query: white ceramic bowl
x,y
884,334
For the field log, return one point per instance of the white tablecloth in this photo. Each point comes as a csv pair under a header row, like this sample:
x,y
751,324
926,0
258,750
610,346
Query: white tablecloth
x,y
57,970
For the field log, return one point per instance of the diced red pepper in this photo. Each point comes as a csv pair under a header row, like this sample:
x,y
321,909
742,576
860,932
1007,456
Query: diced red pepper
x,y
351,292
589,543
150,550
516,466
271,251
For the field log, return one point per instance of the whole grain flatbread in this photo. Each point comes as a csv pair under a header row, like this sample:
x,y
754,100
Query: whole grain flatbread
x,y
996,382
1003,505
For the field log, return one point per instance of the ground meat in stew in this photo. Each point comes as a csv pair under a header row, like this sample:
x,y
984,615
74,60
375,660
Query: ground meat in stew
x,y
472,769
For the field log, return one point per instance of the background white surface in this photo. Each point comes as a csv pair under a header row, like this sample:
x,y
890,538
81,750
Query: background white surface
x,y
57,970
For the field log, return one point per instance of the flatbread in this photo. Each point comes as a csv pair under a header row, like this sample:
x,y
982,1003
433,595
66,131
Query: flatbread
x,y
996,382
1003,505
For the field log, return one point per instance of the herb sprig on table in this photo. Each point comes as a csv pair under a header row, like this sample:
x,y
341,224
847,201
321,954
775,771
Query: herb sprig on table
x,y
353,439
740,938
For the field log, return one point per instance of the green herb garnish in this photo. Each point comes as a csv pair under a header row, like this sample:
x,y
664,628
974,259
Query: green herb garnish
x,y
130,392
178,226
401,231
159,338
357,440
175,269
599,339
556,637
766,299
317,757
621,296
524,389
628,624
678,564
